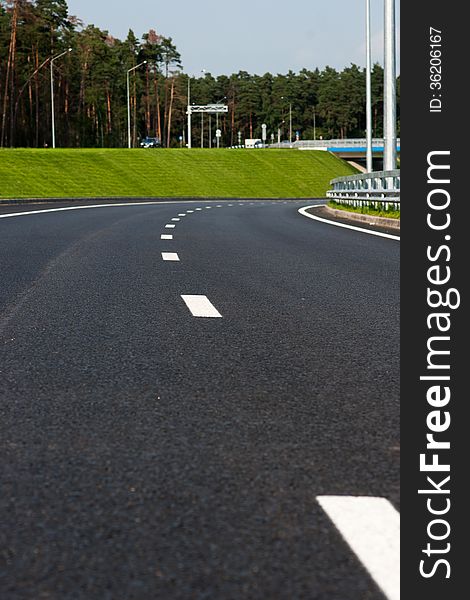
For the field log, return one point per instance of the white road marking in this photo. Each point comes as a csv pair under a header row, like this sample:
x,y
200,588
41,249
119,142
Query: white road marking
x,y
219,206
200,306
230,205
86,206
303,211
176,219
170,256
166,236
170,226
208,206
190,211
198,208
371,527
181,214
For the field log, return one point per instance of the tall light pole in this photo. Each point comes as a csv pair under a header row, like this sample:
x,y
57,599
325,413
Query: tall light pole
x,y
217,121
390,110
290,122
202,130
203,71
129,103
368,93
189,110
290,119
52,93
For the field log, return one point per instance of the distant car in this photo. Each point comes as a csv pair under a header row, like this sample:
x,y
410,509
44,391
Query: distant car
x,y
150,142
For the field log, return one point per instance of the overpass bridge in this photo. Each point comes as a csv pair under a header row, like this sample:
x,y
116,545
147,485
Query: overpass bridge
x,y
346,148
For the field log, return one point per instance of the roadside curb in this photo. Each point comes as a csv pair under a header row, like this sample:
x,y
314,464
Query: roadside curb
x,y
369,219
334,221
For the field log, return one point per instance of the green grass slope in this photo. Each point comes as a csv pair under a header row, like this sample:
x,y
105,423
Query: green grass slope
x,y
48,173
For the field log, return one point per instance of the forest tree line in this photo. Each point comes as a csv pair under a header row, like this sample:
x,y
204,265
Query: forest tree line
x,y
90,89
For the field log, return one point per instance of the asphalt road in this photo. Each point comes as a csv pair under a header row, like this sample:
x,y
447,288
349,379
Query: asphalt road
x,y
148,453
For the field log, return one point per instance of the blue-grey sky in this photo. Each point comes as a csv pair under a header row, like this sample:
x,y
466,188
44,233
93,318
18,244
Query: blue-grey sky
x,y
225,36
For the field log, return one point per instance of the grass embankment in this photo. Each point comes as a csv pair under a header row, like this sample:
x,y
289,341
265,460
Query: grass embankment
x,y
366,210
48,173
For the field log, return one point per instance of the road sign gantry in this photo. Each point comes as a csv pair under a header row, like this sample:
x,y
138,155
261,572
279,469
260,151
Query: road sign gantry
x,y
210,109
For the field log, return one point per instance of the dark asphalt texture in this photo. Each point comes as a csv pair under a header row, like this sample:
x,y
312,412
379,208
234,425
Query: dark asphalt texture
x,y
148,454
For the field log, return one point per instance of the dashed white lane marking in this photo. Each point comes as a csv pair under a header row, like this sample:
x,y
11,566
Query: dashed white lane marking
x,y
303,211
219,206
170,256
198,208
176,219
208,206
230,205
166,236
181,214
371,527
170,226
200,306
190,211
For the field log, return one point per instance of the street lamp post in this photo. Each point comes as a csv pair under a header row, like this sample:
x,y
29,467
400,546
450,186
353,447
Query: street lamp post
x,y
129,103
202,130
290,122
368,93
52,93
189,111
290,119
217,120
390,116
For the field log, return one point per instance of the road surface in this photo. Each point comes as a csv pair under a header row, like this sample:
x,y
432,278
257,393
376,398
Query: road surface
x,y
186,389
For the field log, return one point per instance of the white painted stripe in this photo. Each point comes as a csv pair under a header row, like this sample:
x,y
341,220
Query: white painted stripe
x,y
166,236
198,208
86,206
181,214
200,306
230,205
208,206
176,219
170,256
303,211
170,226
371,527
190,211
219,206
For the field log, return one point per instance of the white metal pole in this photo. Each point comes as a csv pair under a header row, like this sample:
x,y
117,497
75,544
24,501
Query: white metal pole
x,y
52,103
202,130
189,111
129,103
368,93
217,129
52,94
390,116
128,113
290,122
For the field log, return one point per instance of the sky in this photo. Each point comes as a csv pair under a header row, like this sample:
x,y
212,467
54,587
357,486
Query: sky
x,y
257,36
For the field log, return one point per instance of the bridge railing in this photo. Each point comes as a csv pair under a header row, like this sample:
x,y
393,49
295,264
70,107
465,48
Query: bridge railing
x,y
325,144
378,189
347,143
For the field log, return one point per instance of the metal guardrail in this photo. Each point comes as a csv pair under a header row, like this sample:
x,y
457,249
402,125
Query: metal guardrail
x,y
378,189
325,144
